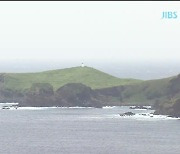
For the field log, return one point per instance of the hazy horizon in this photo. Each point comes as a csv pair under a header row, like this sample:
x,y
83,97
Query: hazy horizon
x,y
122,70
125,39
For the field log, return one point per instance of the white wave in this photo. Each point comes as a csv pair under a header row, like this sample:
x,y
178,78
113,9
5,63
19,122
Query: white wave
x,y
100,117
149,116
44,108
147,107
79,107
32,108
140,109
108,107
8,104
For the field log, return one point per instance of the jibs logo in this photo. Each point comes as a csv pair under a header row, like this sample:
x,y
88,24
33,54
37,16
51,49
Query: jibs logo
x,y
169,15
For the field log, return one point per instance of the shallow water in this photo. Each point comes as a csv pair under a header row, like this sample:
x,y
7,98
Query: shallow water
x,y
86,131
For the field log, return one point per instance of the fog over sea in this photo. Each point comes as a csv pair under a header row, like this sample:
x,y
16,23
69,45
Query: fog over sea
x,y
86,131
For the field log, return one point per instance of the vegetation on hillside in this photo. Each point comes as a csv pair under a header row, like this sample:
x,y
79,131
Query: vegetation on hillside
x,y
58,78
85,86
144,93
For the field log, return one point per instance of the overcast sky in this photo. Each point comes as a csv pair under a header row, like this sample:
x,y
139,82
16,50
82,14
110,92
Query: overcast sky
x,y
92,32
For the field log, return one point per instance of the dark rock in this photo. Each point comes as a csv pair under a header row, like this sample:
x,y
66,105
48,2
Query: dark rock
x,y
71,94
77,94
39,95
138,107
5,107
169,107
127,114
143,114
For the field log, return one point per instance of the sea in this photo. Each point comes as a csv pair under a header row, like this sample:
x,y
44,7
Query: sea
x,y
78,130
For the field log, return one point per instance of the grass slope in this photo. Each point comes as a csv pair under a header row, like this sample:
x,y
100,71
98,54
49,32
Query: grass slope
x,y
143,93
57,78
148,91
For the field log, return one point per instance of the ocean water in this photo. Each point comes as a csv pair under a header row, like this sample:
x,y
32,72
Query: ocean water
x,y
86,131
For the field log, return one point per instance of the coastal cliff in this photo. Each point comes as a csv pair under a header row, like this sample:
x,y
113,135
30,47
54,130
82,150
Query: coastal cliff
x,y
89,87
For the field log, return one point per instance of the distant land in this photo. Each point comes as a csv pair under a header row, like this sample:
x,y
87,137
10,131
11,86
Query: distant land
x,y
144,70
57,78
86,86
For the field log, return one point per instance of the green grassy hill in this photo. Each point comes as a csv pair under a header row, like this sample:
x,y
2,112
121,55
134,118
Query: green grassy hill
x,y
145,92
57,78
42,89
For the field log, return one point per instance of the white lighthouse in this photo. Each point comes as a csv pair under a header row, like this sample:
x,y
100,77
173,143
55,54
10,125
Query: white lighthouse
x,y
82,65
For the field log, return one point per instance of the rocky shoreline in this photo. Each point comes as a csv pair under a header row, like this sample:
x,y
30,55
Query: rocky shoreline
x,y
171,108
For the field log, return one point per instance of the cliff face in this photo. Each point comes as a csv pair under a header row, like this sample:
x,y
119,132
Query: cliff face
x,y
171,106
165,92
77,94
174,87
72,94
8,95
40,94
